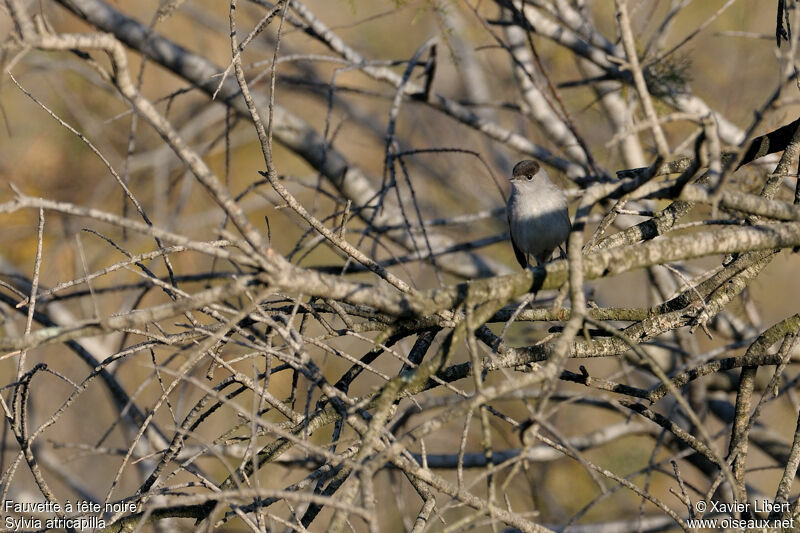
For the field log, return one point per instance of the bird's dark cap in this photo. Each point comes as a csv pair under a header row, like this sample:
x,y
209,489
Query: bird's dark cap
x,y
527,167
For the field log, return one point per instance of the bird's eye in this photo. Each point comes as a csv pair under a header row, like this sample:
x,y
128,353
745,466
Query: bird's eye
x,y
529,177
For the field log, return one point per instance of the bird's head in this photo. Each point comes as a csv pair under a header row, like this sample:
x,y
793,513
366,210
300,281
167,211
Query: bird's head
x,y
527,171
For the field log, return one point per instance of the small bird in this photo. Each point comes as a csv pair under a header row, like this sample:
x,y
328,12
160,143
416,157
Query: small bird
x,y
537,213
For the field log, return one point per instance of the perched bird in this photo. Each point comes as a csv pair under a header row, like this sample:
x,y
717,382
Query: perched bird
x,y
537,213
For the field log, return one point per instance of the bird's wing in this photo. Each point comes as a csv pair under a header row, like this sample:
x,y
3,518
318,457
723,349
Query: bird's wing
x,y
565,216
522,258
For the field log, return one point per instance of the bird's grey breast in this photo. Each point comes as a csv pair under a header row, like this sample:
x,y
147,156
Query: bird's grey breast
x,y
538,216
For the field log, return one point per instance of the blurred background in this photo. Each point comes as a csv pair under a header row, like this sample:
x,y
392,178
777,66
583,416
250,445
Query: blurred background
x,y
726,56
